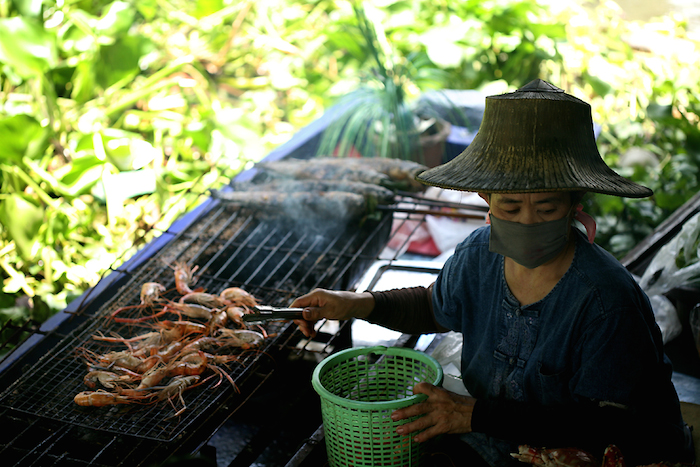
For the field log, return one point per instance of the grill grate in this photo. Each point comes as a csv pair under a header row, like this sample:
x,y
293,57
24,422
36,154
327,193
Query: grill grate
x,y
275,260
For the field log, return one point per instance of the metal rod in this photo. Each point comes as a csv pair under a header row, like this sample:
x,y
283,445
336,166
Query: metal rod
x,y
459,215
439,202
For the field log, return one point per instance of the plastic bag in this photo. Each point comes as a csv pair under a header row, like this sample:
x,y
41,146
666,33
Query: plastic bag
x,y
449,354
666,317
676,263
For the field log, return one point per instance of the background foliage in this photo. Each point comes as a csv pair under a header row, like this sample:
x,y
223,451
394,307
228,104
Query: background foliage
x,y
117,116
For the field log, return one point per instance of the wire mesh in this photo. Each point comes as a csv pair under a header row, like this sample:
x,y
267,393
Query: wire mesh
x,y
274,260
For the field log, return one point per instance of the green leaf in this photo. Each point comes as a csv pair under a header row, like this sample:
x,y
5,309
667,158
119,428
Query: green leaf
x,y
147,8
660,113
120,60
28,8
26,47
22,220
599,86
207,7
116,20
83,82
20,135
78,176
127,150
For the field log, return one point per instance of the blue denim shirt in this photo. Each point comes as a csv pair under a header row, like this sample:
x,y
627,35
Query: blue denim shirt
x,y
592,338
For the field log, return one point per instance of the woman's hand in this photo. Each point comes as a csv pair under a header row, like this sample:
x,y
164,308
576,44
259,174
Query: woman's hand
x,y
443,412
331,304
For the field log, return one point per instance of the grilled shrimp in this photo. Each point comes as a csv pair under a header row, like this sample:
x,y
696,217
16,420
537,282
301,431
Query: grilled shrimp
x,y
200,343
107,379
243,338
191,310
100,398
184,278
239,297
175,389
570,457
122,359
205,299
153,376
150,293
235,314
189,365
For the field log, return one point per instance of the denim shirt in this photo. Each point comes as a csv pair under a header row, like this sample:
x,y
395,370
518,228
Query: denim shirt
x,y
592,338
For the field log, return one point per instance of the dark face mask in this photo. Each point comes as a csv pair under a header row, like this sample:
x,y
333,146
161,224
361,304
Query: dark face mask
x,y
530,245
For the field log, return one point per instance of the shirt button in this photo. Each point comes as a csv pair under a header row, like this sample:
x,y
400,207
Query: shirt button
x,y
511,361
518,312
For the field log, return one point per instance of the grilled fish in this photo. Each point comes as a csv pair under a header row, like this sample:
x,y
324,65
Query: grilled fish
x,y
390,173
398,170
373,194
301,205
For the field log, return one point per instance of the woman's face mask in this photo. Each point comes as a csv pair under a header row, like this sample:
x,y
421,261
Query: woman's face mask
x,y
530,245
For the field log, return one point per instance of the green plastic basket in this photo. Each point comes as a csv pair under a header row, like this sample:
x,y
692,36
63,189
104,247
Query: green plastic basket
x,y
359,389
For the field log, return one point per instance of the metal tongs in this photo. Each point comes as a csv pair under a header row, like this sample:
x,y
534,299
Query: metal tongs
x,y
264,313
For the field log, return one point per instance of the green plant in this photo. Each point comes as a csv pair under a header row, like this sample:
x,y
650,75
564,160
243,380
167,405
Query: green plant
x,y
378,117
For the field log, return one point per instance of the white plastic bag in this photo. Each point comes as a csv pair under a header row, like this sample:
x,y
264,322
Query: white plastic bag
x,y
449,354
676,263
666,317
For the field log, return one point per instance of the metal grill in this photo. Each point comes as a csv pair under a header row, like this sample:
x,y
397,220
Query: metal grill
x,y
271,259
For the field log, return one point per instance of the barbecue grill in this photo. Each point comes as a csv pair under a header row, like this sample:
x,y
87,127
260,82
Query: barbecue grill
x,y
273,259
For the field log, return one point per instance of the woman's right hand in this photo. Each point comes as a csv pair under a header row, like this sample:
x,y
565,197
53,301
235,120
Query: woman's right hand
x,y
331,304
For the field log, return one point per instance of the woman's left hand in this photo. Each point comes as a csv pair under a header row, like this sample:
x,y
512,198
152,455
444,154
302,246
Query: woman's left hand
x,y
443,412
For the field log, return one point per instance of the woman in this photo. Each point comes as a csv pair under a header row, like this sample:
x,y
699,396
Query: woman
x,y
560,344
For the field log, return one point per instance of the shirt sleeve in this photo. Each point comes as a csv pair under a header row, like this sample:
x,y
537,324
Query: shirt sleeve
x,y
406,310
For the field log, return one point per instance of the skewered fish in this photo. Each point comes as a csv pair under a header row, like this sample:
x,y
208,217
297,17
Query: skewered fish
x,y
398,170
374,194
390,173
327,204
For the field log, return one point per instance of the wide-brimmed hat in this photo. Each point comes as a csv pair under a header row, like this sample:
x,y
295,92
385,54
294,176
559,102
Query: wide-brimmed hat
x,y
536,139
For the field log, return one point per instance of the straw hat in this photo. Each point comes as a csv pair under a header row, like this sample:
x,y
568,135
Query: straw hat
x,y
535,139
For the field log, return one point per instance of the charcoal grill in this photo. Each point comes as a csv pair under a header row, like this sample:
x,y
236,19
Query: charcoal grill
x,y
276,260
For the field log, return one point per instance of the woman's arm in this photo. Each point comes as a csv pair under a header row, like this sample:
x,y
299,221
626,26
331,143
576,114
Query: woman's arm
x,y
408,310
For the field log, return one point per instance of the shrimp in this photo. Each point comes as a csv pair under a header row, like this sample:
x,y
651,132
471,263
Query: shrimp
x,y
175,389
150,293
153,376
118,319
235,314
243,338
218,320
121,359
558,457
170,350
191,310
238,296
148,363
199,344
184,278
100,398
149,336
174,330
189,365
107,379
205,299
